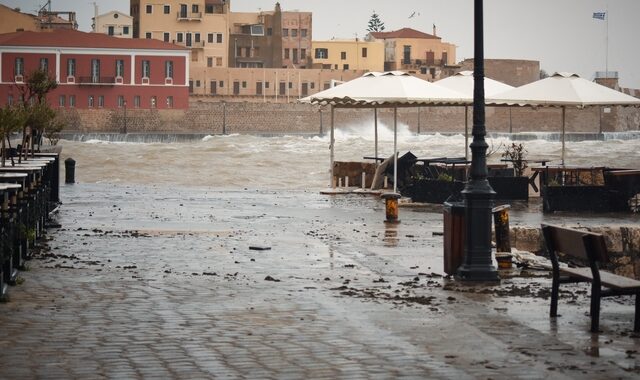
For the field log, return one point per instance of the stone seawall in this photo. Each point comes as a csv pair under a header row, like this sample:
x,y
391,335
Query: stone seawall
x,y
623,244
212,117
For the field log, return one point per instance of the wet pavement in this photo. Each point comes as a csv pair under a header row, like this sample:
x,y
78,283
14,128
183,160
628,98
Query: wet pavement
x,y
159,282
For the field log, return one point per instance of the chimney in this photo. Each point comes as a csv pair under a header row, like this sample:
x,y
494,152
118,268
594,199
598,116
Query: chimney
x,y
434,30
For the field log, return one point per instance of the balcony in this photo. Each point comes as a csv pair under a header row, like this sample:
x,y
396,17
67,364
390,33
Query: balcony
x,y
189,16
96,81
192,45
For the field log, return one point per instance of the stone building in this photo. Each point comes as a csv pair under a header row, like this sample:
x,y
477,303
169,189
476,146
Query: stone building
x,y
514,72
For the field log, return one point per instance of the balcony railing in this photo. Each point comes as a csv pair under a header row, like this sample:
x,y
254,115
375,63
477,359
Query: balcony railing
x,y
193,45
418,63
96,81
187,16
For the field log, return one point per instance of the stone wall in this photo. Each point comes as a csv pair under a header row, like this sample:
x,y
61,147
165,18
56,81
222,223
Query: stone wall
x,y
623,244
208,116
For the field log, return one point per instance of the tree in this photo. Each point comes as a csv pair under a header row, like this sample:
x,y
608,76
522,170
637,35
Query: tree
x,y
543,74
33,95
375,24
12,119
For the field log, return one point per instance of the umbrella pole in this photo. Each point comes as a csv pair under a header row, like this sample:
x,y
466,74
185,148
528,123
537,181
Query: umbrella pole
x,y
564,109
375,125
466,133
395,149
332,141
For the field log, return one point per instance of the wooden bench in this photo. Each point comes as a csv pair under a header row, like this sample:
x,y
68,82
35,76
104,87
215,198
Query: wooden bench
x,y
591,248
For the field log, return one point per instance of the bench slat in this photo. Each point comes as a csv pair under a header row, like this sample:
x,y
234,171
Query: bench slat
x,y
608,279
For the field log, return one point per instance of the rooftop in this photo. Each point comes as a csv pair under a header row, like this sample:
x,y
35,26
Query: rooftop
x,y
74,38
404,33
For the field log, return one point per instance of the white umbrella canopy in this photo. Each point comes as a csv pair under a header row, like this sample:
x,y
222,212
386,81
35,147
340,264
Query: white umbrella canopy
x,y
564,90
388,89
463,82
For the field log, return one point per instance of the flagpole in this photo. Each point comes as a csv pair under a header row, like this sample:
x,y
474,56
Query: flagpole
x,y
606,62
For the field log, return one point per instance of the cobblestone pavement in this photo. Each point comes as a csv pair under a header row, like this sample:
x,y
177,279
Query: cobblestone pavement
x,y
148,282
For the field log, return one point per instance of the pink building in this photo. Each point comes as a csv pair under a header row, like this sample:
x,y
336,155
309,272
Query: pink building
x,y
94,70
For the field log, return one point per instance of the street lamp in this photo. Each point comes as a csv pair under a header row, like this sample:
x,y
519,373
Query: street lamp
x,y
478,194
124,104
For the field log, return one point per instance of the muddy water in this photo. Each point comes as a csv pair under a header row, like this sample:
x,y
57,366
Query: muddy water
x,y
295,162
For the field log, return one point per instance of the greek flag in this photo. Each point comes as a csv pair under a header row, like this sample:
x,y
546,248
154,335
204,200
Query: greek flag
x,y
599,15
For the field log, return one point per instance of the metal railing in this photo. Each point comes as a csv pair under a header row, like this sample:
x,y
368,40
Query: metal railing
x,y
189,15
96,80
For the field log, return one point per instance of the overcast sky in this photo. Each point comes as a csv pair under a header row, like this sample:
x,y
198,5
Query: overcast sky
x,y
561,34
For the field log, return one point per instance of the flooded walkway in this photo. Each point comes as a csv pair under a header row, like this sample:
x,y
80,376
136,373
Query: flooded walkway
x,y
145,281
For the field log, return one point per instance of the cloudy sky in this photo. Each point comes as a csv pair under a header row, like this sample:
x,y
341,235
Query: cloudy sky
x,y
561,34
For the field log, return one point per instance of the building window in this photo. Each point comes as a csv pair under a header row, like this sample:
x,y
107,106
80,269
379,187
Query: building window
x,y
120,68
147,35
90,101
290,84
285,32
244,84
219,38
406,56
120,101
194,8
218,61
95,70
125,30
19,68
154,102
167,36
146,69
149,9
210,38
10,100
44,64
343,55
101,101
303,33
110,30
208,8
322,53
221,84
257,30
198,83
168,69
136,101
266,84
364,52
303,53
345,67
294,32
286,53
71,67
167,9
197,37
295,55
179,37
72,100
61,100
209,61
169,101
313,85
236,88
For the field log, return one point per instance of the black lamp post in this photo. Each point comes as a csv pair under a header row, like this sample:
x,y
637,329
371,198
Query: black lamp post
x,y
478,194
124,104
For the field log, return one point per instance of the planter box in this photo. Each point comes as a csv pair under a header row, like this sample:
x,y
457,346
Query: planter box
x,y
510,188
433,191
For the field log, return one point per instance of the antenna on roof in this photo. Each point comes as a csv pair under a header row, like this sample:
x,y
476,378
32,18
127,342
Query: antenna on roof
x,y
48,4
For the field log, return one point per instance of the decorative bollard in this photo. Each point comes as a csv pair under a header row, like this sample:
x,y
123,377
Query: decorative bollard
x,y
69,170
391,207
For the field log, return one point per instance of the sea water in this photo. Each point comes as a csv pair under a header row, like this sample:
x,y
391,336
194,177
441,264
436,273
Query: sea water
x,y
302,162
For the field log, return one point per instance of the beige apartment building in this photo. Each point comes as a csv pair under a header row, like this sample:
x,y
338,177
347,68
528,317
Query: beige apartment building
x,y
353,54
114,23
410,50
201,25
270,84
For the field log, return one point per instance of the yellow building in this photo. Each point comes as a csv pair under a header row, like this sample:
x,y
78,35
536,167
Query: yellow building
x,y
114,23
348,55
13,20
410,50
202,25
